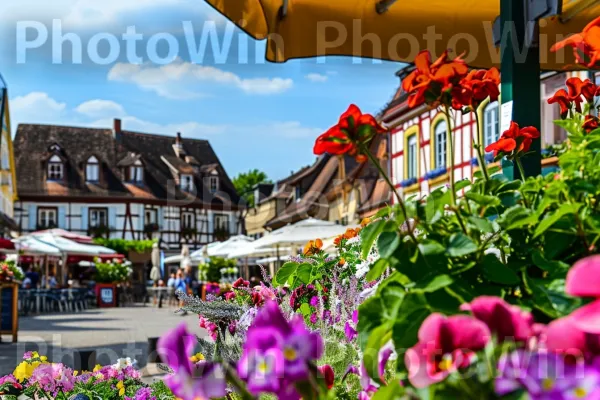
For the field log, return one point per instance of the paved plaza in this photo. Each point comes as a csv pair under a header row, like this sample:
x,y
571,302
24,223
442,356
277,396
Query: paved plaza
x,y
113,333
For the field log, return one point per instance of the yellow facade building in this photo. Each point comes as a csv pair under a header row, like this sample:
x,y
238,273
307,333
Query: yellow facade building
x,y
8,187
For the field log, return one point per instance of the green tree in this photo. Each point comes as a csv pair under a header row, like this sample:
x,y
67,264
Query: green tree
x,y
246,181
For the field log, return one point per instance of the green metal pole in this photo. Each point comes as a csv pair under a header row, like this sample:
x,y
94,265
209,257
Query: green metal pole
x,y
520,81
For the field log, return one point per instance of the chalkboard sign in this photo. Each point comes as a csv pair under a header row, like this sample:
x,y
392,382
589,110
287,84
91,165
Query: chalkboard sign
x,y
9,321
106,295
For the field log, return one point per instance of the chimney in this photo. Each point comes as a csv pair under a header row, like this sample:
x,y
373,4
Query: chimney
x,y
178,139
178,147
117,125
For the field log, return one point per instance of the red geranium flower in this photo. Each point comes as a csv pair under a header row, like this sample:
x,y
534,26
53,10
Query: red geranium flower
x,y
514,139
477,86
353,130
591,123
430,81
564,101
586,42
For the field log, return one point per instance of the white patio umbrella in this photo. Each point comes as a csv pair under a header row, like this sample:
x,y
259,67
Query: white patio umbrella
x,y
250,250
31,246
224,248
66,246
271,259
155,258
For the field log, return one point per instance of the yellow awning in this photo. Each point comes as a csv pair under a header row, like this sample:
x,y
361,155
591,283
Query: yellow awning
x,y
354,28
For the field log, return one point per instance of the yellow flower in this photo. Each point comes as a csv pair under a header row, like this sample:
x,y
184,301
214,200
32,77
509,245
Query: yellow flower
x,y
23,371
44,358
75,373
197,358
97,368
121,388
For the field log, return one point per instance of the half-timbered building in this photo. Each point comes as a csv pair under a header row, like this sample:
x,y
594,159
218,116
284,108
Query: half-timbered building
x,y
122,184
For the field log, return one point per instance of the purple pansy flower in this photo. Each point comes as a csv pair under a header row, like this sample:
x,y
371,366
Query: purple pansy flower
x,y
277,353
314,301
547,376
189,381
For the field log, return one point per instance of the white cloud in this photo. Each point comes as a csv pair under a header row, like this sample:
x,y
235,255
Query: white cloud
x,y
314,77
181,80
101,109
36,107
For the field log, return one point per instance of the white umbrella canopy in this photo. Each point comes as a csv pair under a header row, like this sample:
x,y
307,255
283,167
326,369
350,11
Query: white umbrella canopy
x,y
301,232
32,246
250,250
271,259
70,247
224,248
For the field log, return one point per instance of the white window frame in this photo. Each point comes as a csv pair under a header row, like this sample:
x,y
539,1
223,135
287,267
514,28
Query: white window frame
x,y
45,215
56,170
221,220
186,182
98,217
150,216
441,145
186,217
411,153
92,170
136,172
491,123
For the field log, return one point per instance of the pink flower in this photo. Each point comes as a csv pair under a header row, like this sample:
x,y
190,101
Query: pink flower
x,y
327,373
504,320
563,336
583,280
445,345
229,296
240,283
267,293
52,378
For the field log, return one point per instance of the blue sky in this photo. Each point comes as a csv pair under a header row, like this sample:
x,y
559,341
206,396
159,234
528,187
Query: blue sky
x,y
255,114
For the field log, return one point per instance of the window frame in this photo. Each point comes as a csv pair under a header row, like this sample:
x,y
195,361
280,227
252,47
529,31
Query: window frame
x,y
135,172
41,210
191,185
91,210
217,216
415,164
95,163
185,214
55,161
436,144
213,179
150,211
484,122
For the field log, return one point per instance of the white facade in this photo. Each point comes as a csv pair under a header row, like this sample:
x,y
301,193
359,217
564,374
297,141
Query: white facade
x,y
126,224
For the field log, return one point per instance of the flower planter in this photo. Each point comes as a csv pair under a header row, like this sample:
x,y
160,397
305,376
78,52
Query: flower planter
x,y
106,295
9,312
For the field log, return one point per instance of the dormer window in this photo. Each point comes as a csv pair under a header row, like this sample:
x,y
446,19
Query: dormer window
x,y
213,184
136,172
92,170
55,168
186,182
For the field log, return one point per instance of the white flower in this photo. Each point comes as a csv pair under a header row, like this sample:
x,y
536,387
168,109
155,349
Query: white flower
x,y
123,363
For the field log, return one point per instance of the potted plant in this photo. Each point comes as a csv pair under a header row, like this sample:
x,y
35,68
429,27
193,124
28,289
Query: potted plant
x,y
108,275
10,277
99,231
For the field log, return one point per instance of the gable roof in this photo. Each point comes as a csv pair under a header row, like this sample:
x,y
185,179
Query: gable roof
x,y
114,151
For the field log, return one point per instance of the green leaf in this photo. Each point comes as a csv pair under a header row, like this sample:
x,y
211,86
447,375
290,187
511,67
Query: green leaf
x,y
393,391
285,272
384,212
483,225
552,218
509,186
387,243
377,339
377,269
433,283
411,315
460,245
369,235
497,272
516,217
430,247
548,265
305,309
304,272
462,184
483,200
432,213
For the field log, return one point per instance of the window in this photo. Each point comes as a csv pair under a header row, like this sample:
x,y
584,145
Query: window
x,y
55,168
186,182
222,222
150,216
188,220
491,124
46,218
298,193
136,172
213,184
441,134
92,170
98,217
411,154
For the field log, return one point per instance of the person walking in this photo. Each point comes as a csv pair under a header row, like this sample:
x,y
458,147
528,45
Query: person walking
x,y
180,286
